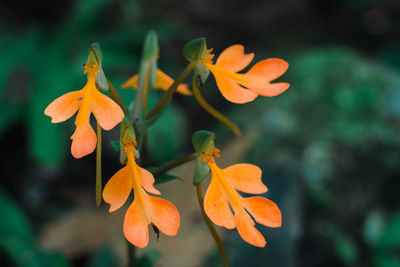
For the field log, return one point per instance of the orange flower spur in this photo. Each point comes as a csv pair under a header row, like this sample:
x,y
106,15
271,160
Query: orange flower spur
x,y
86,101
245,87
222,195
163,82
145,209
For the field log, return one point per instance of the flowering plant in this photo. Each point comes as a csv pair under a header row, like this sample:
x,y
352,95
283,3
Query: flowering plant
x,y
222,204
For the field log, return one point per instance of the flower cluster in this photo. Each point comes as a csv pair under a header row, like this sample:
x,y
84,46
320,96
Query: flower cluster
x,y
223,204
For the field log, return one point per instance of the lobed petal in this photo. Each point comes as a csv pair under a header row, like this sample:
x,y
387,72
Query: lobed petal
x,y
108,113
118,188
246,178
63,107
232,91
268,69
164,215
136,228
147,181
164,81
247,231
131,82
272,89
216,206
84,141
234,59
264,211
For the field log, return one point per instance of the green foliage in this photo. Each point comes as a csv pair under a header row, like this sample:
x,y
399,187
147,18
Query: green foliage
x,y
149,258
386,251
18,241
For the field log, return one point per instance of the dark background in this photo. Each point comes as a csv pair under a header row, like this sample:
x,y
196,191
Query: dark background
x,y
329,147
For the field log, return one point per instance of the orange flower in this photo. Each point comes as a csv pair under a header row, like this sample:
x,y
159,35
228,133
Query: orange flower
x,y
87,100
242,88
145,209
222,190
163,82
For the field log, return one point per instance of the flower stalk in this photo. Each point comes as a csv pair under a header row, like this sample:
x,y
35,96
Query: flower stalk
x,y
175,163
215,113
211,228
170,92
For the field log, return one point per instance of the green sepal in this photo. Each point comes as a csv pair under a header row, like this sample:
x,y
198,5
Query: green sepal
x,y
200,172
150,47
95,49
195,49
96,57
201,139
200,74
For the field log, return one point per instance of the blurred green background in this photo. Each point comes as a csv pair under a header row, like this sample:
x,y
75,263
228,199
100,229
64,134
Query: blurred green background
x,y
329,147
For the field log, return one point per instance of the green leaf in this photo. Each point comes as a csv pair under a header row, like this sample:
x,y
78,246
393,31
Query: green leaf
x,y
116,145
164,177
104,257
385,251
13,219
195,49
149,258
200,172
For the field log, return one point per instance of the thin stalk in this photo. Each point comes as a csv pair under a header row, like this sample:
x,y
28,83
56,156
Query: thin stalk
x,y
175,163
117,98
98,166
171,90
211,227
131,254
215,113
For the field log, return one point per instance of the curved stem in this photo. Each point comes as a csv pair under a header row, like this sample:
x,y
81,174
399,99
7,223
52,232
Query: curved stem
x,y
98,166
211,227
175,163
171,90
215,113
117,98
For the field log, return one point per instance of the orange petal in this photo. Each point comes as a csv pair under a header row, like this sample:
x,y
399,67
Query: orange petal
x,y
63,107
164,215
232,91
246,178
272,89
136,228
147,181
268,69
117,189
216,206
84,141
132,82
107,112
163,82
247,231
234,59
264,211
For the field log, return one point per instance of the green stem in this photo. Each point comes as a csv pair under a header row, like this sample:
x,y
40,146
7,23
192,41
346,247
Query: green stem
x,y
117,98
175,163
131,254
98,166
171,90
215,113
211,227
